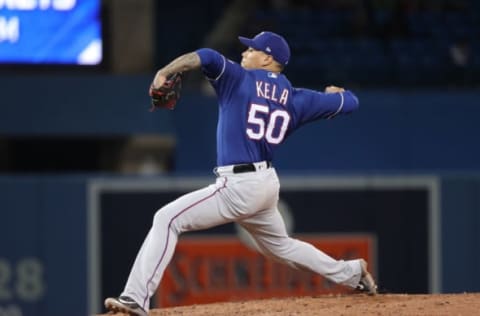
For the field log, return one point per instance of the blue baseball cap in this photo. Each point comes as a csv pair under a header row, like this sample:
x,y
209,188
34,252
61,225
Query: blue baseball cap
x,y
270,43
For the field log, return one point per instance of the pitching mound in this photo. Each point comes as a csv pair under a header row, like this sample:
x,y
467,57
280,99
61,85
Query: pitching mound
x,y
385,304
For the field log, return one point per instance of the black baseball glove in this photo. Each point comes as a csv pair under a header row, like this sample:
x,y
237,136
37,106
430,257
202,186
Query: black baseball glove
x,y
167,95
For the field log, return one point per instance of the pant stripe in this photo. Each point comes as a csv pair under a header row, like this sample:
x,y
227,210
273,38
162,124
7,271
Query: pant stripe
x,y
168,235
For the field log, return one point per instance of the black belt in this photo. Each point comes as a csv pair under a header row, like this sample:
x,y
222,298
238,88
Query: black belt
x,y
247,167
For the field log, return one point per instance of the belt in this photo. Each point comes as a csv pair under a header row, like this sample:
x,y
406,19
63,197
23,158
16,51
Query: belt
x,y
241,168
250,167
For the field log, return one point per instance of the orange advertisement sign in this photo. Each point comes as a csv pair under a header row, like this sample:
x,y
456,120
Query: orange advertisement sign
x,y
214,269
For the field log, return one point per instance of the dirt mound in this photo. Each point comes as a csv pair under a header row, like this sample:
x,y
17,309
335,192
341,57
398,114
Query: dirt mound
x,y
347,305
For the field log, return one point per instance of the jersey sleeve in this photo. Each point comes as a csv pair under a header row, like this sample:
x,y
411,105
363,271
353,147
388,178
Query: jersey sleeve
x,y
213,63
310,105
223,74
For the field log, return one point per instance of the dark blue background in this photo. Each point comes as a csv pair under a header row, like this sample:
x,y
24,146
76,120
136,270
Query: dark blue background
x,y
393,130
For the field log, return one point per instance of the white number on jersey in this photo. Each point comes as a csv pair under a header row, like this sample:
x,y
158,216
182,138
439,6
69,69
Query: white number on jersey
x,y
266,126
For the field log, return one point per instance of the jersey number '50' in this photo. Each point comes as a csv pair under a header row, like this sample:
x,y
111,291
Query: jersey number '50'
x,y
271,126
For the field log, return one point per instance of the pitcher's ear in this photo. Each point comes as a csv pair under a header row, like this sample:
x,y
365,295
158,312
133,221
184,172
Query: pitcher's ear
x,y
267,60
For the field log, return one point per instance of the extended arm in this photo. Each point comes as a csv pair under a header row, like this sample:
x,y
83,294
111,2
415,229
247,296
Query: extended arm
x,y
183,63
312,105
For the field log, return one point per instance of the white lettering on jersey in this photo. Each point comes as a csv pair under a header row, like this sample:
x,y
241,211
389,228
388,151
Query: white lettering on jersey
x,y
284,97
259,89
274,88
270,92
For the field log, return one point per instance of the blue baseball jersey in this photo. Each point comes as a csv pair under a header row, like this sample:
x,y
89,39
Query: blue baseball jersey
x,y
259,109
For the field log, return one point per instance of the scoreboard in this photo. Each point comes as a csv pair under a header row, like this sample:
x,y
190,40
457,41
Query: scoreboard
x,y
61,32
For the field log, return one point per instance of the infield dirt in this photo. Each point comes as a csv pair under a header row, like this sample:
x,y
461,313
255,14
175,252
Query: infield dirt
x,y
467,304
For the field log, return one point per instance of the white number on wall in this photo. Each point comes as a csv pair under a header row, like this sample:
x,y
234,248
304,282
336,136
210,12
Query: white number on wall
x,y
5,277
24,280
29,285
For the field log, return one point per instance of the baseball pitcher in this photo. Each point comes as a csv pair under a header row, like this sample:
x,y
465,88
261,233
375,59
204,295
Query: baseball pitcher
x,y
258,109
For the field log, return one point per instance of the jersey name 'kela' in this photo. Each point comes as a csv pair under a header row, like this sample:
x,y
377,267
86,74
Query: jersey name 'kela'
x,y
271,92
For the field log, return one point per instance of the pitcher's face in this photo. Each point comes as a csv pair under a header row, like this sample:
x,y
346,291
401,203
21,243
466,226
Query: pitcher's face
x,y
253,59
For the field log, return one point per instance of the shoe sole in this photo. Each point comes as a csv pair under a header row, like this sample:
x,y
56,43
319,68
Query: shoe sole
x,y
113,305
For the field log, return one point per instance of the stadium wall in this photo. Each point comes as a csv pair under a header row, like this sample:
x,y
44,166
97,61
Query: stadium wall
x,y
46,239
407,131
44,234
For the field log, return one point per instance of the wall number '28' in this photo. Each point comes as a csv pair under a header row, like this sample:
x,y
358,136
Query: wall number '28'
x,y
272,127
25,279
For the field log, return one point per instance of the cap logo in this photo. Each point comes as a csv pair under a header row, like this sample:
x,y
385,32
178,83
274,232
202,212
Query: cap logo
x,y
268,49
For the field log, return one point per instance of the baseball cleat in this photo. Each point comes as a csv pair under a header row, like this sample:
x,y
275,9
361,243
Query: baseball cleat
x,y
124,304
367,283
